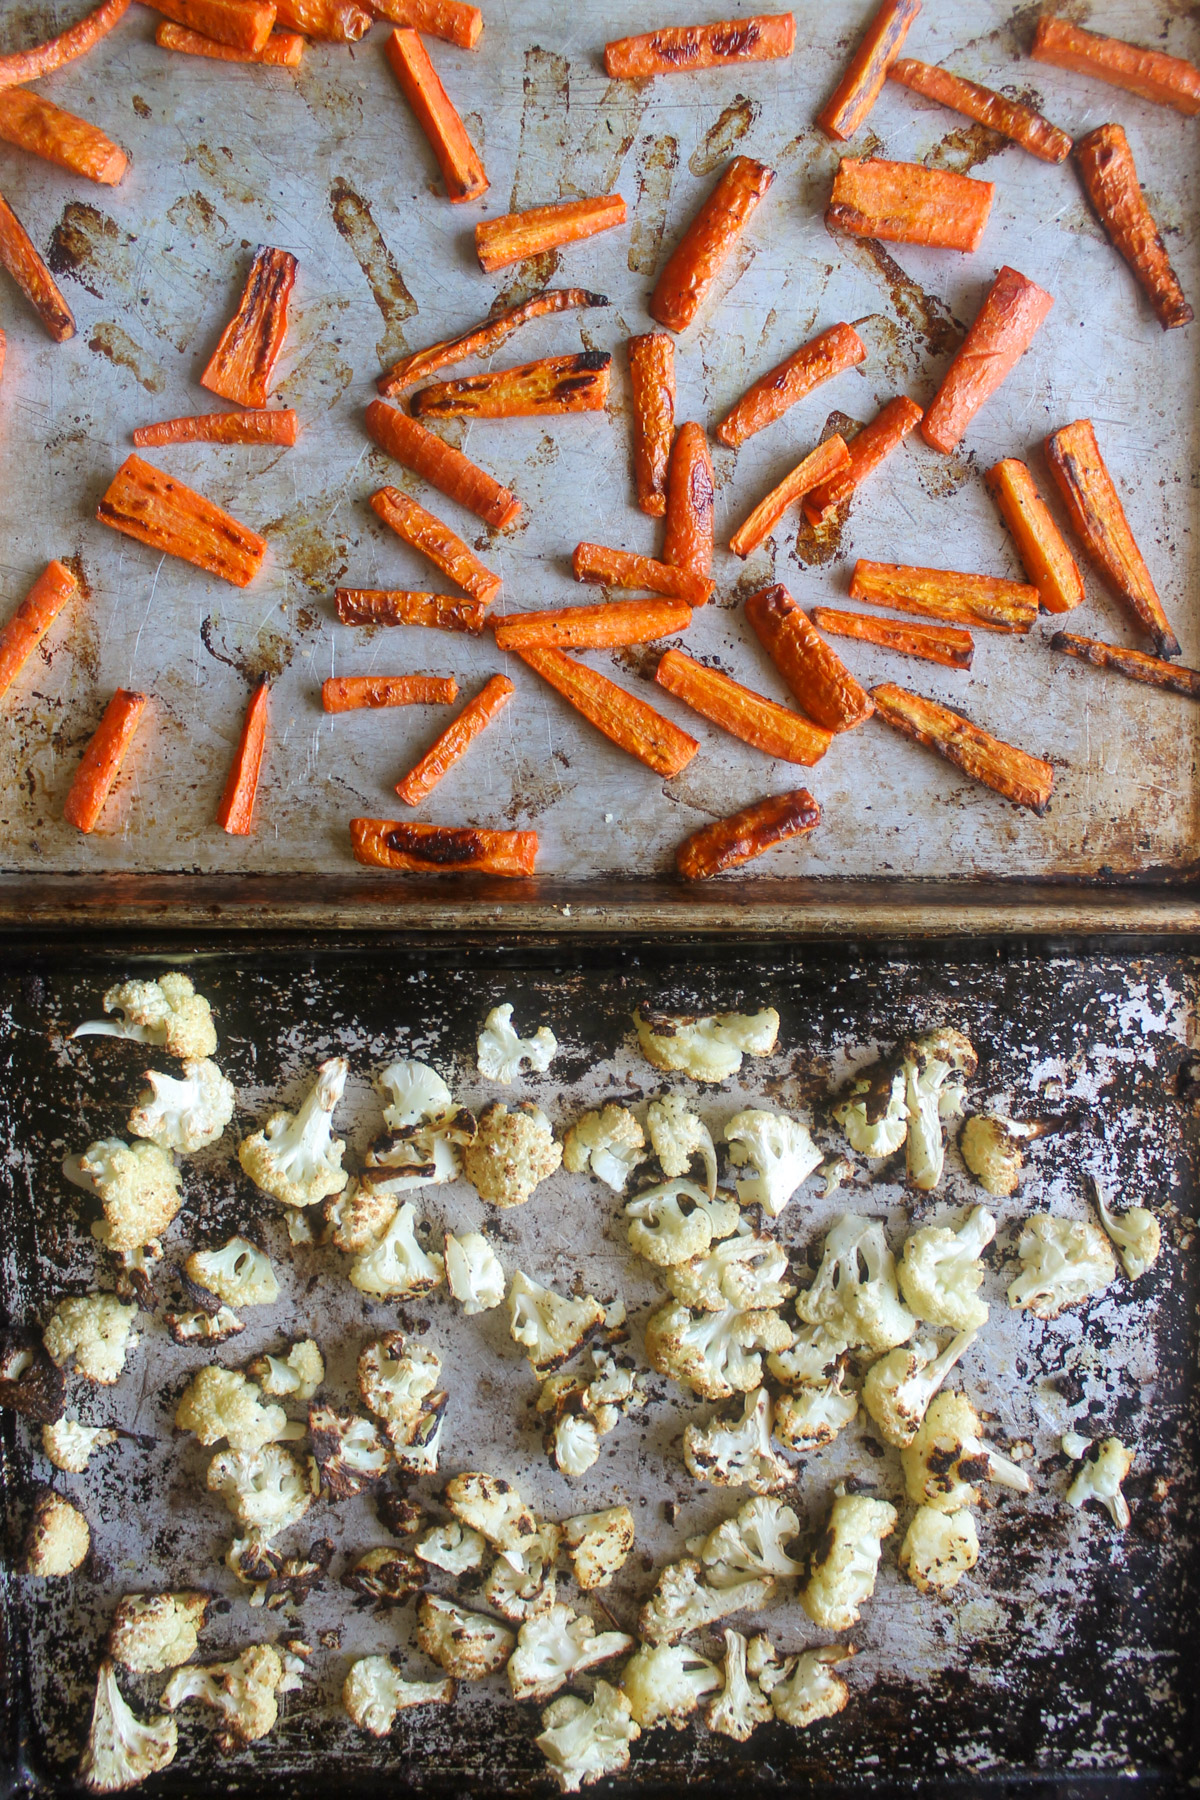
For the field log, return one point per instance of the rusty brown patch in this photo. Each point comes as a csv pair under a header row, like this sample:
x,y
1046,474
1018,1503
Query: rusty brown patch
x,y
268,658
75,564
536,787
542,151
84,244
309,549
928,319
964,149
355,222
730,128
197,217
109,340
225,167
595,166
656,171
140,107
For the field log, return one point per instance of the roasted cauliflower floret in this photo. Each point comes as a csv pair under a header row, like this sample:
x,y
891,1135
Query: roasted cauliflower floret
x,y
374,1693
184,1115
664,1683
467,1645
677,1221
808,1418
550,1327
512,1153
812,1360
940,1272
57,1539
359,1216
396,1383
811,1690
71,1446
420,1155
121,1751
1136,1234
749,1543
386,1575
1063,1263
243,1692
239,1273
153,1632
221,1403
266,1489
707,1048
419,1456
474,1273
583,1409
453,1547
294,1158
855,1293
746,1271
900,1386
935,1067
677,1137
736,1451
947,1459
1103,1467
520,1594
94,1329
296,1376
598,1544
412,1094
492,1506
939,1548
994,1151
206,1328
741,1706
30,1383
501,1053
874,1115
778,1150
846,1560
609,1143
168,1013
585,1741
348,1449
555,1646
136,1184
713,1352
398,1264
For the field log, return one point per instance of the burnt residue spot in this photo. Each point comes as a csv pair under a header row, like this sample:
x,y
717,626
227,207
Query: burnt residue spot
x,y
927,318
355,222
964,149
75,564
269,658
82,243
109,340
140,107
449,848
656,171
196,215
732,125
596,165
542,152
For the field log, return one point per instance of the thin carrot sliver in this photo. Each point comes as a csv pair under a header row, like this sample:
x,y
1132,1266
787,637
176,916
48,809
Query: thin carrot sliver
x,y
22,634
436,114
399,606
1167,80
43,59
996,111
242,364
1151,671
1041,545
1007,323
156,509
444,548
336,21
282,50
102,759
727,843
857,91
815,362
866,450
652,381
514,237
258,426
942,644
414,848
441,465
456,740
246,24
828,459
1024,779
550,387
235,814
1110,177
702,251
608,626
625,721
351,693
451,20
483,339
678,49
823,686
624,569
31,123
769,727
19,256
688,538
905,203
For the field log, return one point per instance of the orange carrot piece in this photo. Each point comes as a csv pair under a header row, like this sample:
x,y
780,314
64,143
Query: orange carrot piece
x,y
984,601
451,20
419,849
242,364
698,257
652,379
335,21
727,843
43,59
1007,323
22,634
351,693
397,606
436,114
20,258
102,759
1025,780
626,721
683,48
145,504
1040,544
235,814
943,644
818,361
1008,117
763,723
514,237
829,458
1151,671
444,548
553,385
905,203
278,426
859,88
456,740
282,50
31,123
1094,508
441,465
624,569
1167,80
688,538
1107,167
605,627
866,450
822,684
246,24
483,339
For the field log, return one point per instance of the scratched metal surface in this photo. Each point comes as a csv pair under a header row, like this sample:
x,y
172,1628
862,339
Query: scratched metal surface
x,y
1063,1662
329,164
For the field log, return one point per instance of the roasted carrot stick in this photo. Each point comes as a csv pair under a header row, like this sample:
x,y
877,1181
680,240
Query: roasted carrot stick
x,y
441,465
858,90
1094,508
727,843
605,627
1007,323
335,21
397,606
235,814
1041,545
351,693
552,385
43,59
624,569
681,48
624,719
442,849
246,24
981,600
30,122
1025,780
823,357
822,684
652,379
444,548
456,740
258,426
1168,80
943,644
22,634
698,257
514,237
436,114
282,50
483,339
20,258
242,364
1008,117
451,20
769,727
866,450
157,510
828,459
1106,165
688,538
102,759
905,203
1151,671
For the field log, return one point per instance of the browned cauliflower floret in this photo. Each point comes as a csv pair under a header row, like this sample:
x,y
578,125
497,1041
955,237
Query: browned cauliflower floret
x,y
152,1632
57,1540
609,1142
709,1048
167,1012
221,1403
71,1446
598,1544
95,1329
349,1450
375,1691
137,1185
243,1692
386,1575
121,1751
513,1152
294,1158
467,1645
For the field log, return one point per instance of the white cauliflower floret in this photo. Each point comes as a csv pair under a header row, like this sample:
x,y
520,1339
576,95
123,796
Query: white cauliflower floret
x,y
501,1053
741,1705
663,1683
610,1143
396,1383
358,1217
780,1152
993,1150
520,1594
1102,1469
874,1115
947,1458
266,1490
221,1403
474,1273
348,1449
238,1273
598,1544
1064,1262
708,1048
243,1692
412,1093
374,1693
467,1645
934,1068
555,1646
95,1329
855,1291
512,1153
737,1452
397,1264
812,1360
900,1386
576,1444
940,1272
939,1548
419,1456
812,1691
168,1013
184,1115
711,1352
662,1232
549,1326
846,1560
453,1547
583,1411
492,1506
811,1417
57,1539
1135,1232
71,1446
121,1751
136,1184
677,1137
583,1742
294,1158
296,1376
153,1632
749,1543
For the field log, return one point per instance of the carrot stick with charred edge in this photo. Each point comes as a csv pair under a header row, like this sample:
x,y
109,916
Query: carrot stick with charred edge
x,y
1167,80
145,504
859,88
943,644
827,459
624,569
22,634
336,21
1094,508
688,538
1040,544
769,727
43,59
242,364
866,450
450,20
456,740
904,203
625,720
551,386
605,627
1008,117
102,759
817,361
822,684
31,123
727,843
1007,323
20,258
442,849
514,237
680,49
1151,671
444,548
1106,165
441,465
282,50
235,814
397,606
246,24
652,379
702,251
436,114
351,693
1025,780
256,427
984,601
483,339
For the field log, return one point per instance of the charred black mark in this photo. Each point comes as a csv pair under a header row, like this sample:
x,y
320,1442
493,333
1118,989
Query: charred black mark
x,y
83,243
447,848
271,658
356,224
732,125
